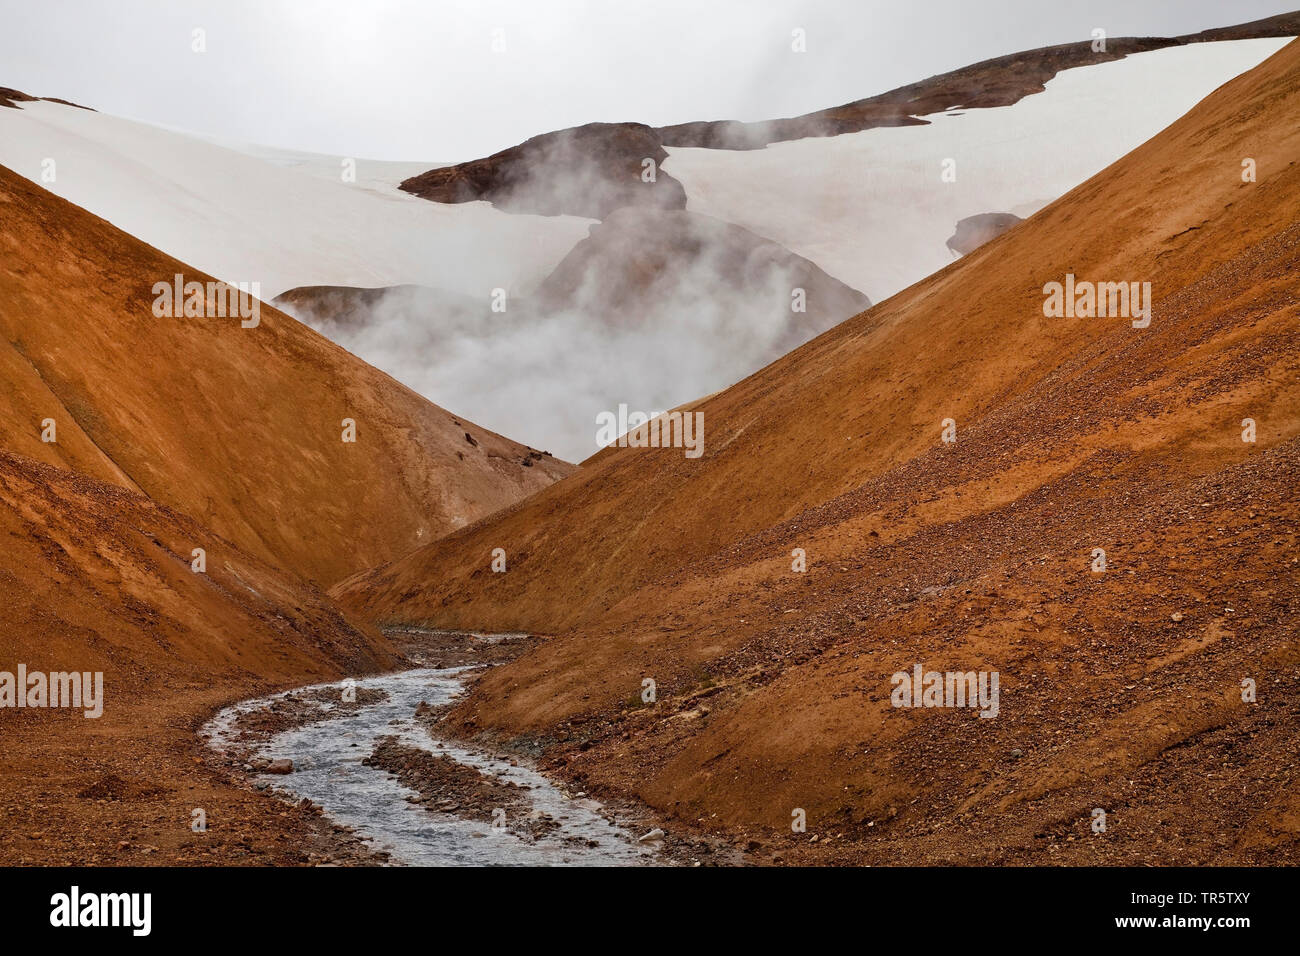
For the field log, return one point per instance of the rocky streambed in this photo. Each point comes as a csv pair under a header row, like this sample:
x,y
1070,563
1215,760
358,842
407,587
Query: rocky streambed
x,y
367,753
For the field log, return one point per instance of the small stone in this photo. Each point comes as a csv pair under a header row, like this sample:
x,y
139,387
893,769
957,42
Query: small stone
x,y
655,834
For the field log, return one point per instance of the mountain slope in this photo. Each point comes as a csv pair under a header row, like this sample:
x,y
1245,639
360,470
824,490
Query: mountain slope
x,y
1119,687
241,428
97,578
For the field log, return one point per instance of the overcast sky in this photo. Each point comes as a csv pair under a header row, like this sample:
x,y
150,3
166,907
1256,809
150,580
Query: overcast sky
x,y
401,79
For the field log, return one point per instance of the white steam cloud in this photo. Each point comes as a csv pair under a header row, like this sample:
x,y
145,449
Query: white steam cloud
x,y
654,309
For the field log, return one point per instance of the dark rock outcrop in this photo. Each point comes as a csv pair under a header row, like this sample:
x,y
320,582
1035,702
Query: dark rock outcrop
x,y
640,262
973,231
1001,81
11,98
585,171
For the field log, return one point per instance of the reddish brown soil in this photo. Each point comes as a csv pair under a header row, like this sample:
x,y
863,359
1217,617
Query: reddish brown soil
x,y
1120,690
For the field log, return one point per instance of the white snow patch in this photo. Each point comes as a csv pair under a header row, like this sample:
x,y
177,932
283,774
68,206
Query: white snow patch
x,y
871,209
276,218
382,176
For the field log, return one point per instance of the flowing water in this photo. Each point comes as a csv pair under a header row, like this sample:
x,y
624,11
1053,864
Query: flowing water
x,y
327,756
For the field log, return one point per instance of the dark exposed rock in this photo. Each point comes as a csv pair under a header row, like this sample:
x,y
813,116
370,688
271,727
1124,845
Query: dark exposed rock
x,y
11,98
335,310
973,231
639,267
641,260
585,171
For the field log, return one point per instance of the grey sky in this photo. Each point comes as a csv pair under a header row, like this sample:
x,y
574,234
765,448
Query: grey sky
x,y
400,79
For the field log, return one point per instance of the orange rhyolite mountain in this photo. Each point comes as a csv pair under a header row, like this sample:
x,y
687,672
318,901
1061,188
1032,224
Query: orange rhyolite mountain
x,y
240,428
1120,689
171,435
